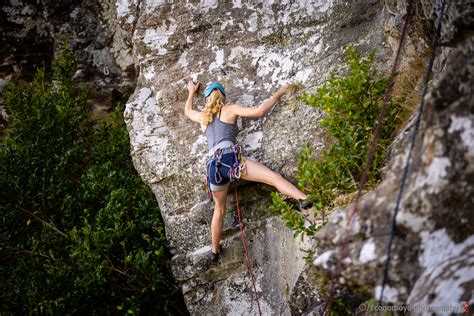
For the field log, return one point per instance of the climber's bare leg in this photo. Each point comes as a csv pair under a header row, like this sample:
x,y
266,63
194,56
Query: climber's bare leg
x,y
220,198
259,173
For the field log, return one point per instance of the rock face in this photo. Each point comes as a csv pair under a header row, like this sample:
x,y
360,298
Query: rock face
x,y
432,260
251,48
33,30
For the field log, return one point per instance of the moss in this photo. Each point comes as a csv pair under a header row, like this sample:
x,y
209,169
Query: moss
x,y
308,257
339,307
214,297
308,23
282,37
362,290
201,28
277,39
346,299
321,281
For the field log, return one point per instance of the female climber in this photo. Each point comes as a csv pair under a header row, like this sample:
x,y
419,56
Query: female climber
x,y
218,122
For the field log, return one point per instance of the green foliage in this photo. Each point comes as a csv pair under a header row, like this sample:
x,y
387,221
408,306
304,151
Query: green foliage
x,y
352,104
64,67
80,232
340,307
292,219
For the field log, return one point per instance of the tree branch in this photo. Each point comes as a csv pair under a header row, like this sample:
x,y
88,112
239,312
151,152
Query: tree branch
x,y
57,230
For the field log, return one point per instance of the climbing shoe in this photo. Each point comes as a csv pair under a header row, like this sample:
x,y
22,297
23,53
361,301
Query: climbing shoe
x,y
307,204
216,256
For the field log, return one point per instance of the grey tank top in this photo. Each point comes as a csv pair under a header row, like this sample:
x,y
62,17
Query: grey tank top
x,y
218,131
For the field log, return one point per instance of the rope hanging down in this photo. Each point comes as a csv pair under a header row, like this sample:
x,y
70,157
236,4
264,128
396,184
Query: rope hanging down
x,y
249,266
412,146
370,155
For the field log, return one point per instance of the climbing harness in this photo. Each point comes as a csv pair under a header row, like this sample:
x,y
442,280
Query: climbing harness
x,y
235,169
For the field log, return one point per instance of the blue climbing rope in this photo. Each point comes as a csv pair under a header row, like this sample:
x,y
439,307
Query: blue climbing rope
x,y
363,180
412,146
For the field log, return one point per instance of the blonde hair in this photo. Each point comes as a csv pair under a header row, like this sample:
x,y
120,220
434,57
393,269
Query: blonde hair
x,y
213,105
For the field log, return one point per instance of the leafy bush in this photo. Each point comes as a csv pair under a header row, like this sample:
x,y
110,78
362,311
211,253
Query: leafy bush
x,y
293,220
352,104
80,232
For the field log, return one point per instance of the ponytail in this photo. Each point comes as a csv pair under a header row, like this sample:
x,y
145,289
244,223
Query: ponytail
x,y
212,107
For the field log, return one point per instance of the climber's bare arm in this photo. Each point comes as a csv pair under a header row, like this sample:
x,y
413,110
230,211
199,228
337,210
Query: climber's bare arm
x,y
194,115
260,110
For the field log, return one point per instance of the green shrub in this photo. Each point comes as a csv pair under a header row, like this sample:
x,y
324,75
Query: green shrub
x,y
80,233
293,220
352,104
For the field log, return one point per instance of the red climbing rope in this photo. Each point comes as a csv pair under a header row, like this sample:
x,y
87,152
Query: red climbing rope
x,y
249,266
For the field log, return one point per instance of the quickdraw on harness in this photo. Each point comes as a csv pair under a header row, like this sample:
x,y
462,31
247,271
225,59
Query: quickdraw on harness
x,y
236,168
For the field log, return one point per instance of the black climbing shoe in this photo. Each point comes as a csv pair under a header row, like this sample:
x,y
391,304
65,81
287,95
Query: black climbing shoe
x,y
307,204
216,256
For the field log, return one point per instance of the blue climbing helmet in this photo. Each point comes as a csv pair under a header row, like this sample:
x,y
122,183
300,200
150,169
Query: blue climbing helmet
x,y
212,87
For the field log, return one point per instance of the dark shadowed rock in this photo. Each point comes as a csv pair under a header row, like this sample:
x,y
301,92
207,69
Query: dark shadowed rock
x,y
32,31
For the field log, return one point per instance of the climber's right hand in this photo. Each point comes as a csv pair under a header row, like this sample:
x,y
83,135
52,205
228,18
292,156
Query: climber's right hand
x,y
192,87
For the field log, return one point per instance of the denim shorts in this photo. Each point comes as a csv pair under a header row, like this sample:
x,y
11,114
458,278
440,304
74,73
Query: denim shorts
x,y
219,176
